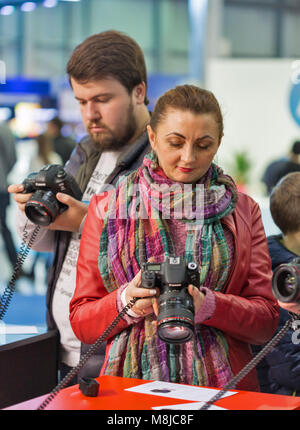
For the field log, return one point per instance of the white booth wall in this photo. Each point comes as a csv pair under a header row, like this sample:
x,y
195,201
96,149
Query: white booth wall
x,y
254,97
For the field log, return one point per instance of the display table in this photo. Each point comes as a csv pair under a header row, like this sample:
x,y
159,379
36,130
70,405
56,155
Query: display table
x,y
28,366
113,395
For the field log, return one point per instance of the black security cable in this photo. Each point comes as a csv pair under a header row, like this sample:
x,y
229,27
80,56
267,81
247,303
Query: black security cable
x,y
22,255
86,356
237,378
230,385
8,293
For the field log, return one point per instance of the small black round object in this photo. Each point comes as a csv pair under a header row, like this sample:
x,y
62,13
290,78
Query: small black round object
x,y
89,387
61,174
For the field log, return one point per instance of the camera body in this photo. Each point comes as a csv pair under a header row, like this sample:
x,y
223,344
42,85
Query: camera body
x,y
286,282
43,207
175,320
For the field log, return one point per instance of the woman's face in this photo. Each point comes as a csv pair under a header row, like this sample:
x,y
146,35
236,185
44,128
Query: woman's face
x,y
185,144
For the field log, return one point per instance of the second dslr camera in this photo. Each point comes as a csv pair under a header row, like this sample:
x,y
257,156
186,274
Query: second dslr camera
x,y
43,207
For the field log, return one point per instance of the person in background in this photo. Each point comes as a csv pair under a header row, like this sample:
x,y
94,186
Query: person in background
x,y
62,145
8,159
280,371
220,229
108,76
279,168
45,154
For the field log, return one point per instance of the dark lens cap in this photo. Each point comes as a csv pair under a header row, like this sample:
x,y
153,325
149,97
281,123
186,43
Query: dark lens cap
x,y
89,387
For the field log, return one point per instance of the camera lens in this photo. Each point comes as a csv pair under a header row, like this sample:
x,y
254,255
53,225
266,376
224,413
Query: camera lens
x,y
286,283
42,208
175,331
176,316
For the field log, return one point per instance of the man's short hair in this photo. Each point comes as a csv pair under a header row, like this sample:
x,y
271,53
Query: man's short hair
x,y
109,54
285,203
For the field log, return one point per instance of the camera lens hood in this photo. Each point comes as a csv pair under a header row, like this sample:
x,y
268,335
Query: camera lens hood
x,y
43,208
286,283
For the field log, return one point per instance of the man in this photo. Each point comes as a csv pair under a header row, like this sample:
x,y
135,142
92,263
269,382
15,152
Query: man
x,y
108,76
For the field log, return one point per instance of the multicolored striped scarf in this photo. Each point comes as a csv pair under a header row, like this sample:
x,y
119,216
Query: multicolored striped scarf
x,y
136,227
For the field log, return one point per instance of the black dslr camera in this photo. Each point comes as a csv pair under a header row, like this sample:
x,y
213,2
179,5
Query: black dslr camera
x,y
286,282
43,207
175,320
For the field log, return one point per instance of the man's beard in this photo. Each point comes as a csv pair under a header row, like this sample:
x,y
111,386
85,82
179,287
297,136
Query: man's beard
x,y
113,141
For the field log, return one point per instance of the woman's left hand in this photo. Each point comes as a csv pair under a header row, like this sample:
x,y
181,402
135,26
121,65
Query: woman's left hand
x,y
198,297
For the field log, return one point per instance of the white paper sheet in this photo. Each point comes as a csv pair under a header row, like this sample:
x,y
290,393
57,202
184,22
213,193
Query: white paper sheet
x,y
178,391
188,407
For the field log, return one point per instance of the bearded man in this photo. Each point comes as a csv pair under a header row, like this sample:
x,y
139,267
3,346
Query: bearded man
x,y
108,76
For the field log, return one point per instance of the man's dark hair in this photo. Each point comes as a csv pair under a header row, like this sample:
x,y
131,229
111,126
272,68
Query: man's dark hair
x,y
109,54
285,203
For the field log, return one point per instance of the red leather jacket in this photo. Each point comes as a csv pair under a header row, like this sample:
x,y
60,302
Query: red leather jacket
x,y
246,310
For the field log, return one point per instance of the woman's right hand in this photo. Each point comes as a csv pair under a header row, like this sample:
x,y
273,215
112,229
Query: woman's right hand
x,y
147,302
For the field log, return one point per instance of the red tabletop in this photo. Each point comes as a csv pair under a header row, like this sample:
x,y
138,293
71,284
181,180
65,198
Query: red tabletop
x,y
112,396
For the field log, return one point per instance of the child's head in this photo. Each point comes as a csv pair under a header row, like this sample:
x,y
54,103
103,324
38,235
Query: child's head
x,y
285,203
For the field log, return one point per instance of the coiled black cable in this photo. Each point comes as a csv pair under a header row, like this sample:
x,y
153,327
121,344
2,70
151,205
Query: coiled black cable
x,y
22,255
86,356
237,378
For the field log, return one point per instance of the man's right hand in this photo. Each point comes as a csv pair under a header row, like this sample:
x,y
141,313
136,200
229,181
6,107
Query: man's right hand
x,y
20,198
69,220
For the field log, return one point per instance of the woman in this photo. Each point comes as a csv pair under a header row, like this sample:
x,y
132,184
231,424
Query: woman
x,y
222,233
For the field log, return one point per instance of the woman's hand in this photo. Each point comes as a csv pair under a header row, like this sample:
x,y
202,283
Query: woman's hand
x,y
198,297
147,303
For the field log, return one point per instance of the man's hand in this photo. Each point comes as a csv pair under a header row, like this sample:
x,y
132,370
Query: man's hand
x,y
20,198
69,220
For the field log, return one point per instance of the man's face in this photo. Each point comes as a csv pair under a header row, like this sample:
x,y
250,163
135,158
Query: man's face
x,y
107,112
